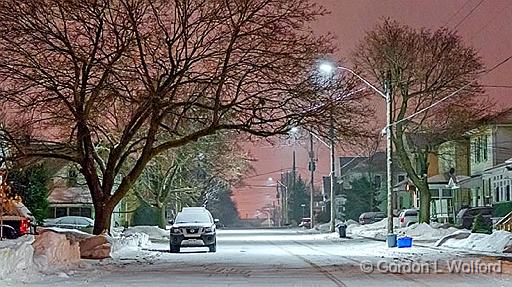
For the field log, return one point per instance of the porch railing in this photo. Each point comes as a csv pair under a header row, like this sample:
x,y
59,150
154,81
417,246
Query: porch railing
x,y
505,223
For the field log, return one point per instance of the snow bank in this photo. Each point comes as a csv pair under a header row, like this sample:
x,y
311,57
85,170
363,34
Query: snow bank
x,y
425,232
16,257
54,250
497,242
154,232
125,243
421,232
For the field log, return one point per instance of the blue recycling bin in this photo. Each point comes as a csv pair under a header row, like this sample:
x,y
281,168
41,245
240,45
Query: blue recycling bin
x,y
404,242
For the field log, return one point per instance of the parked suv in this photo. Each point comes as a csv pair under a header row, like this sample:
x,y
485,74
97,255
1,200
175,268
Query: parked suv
x,y
371,217
193,228
465,216
408,217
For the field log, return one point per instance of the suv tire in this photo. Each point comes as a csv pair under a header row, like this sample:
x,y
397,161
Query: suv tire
x,y
175,249
212,247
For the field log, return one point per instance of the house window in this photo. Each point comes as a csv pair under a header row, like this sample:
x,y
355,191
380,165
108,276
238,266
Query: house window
x,y
508,192
61,211
478,150
484,147
497,195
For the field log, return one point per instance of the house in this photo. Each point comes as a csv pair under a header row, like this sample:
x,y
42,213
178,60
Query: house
x,y
68,193
375,170
489,160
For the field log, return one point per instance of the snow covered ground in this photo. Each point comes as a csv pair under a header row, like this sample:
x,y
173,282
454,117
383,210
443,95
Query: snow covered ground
x,y
497,242
265,258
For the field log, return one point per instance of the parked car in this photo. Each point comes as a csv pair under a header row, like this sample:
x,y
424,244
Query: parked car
x,y
465,217
408,217
193,229
17,221
305,222
81,223
371,217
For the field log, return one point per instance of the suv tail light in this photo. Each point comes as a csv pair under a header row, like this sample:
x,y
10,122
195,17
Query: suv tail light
x,y
24,226
402,219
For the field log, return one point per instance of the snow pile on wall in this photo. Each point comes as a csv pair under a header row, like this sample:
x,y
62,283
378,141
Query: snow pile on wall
x,y
16,257
54,250
124,243
154,232
496,242
422,231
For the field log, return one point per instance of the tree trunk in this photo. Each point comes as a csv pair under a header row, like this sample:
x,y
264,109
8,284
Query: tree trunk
x,y
424,193
162,221
102,219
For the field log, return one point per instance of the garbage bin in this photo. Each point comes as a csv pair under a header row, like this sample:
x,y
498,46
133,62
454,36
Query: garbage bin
x,y
391,240
342,230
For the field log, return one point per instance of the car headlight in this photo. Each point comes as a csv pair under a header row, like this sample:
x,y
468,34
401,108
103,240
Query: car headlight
x,y
175,230
208,229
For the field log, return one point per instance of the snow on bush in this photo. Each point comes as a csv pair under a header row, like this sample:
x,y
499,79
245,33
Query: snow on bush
x,y
134,241
496,242
54,250
154,232
16,257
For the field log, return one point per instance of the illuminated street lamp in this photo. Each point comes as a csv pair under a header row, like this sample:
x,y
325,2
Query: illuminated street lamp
x,y
328,69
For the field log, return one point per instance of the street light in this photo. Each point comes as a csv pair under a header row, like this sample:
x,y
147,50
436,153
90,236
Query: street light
x,y
328,68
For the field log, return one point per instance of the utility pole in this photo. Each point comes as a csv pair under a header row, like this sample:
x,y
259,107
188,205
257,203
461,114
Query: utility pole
x,y
333,175
389,155
312,168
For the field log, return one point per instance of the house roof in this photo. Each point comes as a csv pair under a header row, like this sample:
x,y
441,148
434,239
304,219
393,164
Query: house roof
x,y
503,117
70,195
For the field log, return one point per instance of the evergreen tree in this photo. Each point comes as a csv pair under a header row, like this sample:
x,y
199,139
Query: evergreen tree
x,y
362,197
31,184
298,197
480,225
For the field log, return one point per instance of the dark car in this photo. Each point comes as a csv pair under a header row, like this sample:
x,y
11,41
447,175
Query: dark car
x,y
466,216
193,229
371,217
305,222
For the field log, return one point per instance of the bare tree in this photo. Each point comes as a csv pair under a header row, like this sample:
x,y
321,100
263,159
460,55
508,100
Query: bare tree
x,y
191,173
101,82
436,95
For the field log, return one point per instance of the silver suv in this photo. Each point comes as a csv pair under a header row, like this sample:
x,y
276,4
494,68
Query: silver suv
x,y
193,228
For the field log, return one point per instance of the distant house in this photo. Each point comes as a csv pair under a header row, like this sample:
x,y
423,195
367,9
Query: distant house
x,y
375,170
68,193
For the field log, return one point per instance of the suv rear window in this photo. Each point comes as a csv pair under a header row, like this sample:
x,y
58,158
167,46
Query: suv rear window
x,y
411,213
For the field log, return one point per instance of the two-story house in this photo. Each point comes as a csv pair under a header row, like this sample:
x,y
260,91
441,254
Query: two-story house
x,y
489,160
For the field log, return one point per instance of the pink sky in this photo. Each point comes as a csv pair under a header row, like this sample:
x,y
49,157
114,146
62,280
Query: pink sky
x,y
488,28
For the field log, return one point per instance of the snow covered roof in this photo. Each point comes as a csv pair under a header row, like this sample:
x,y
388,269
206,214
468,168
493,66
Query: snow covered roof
x,y
70,195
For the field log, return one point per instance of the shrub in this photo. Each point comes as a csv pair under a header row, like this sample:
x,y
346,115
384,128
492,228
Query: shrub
x,y
480,225
145,215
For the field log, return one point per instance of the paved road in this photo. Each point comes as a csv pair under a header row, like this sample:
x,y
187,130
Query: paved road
x,y
286,258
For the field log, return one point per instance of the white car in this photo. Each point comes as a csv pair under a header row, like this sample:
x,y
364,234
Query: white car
x,y
408,217
81,223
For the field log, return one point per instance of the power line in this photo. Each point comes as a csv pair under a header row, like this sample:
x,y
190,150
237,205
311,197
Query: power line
x,y
469,14
493,18
456,13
